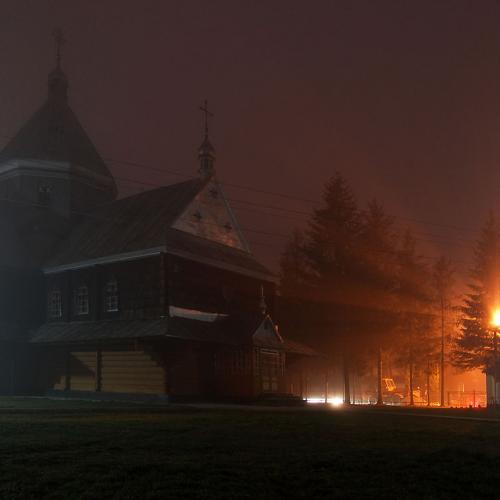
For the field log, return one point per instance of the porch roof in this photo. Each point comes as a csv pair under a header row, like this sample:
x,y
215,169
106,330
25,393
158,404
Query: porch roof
x,y
237,331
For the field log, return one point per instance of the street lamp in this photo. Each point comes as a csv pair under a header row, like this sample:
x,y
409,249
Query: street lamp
x,y
495,326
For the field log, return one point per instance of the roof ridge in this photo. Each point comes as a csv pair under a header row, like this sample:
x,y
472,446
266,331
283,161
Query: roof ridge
x,y
158,188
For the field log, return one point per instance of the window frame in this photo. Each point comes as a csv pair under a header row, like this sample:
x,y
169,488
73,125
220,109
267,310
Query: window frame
x,y
81,300
111,296
54,308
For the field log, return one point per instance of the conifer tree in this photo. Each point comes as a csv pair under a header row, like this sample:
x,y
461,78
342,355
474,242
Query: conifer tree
x,y
322,264
474,346
378,265
416,324
332,234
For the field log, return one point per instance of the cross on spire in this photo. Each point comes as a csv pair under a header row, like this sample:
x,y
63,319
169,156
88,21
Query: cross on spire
x,y
59,41
208,114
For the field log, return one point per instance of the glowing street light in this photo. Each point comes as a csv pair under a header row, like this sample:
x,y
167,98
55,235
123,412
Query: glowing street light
x,y
495,324
495,319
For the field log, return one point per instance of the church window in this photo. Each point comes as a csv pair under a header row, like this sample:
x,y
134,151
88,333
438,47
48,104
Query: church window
x,y
214,193
82,300
197,215
55,304
228,227
111,296
44,194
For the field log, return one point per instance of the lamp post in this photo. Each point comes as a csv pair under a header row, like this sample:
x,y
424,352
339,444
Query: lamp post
x,y
495,327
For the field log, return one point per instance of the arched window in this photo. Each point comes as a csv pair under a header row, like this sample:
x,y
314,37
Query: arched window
x,y
55,304
82,300
111,296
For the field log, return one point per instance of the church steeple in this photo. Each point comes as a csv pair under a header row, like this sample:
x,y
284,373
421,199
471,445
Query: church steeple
x,y
58,83
55,153
206,152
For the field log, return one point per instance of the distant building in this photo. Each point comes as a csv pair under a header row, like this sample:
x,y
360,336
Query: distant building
x,y
154,294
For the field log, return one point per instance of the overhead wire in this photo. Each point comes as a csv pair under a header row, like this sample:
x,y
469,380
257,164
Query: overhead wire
x,y
443,238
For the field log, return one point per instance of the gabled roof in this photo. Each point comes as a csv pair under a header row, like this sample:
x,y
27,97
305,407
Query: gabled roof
x,y
54,133
130,224
142,223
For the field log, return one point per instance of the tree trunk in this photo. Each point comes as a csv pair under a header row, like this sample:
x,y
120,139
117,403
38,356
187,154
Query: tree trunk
x,y
380,400
347,385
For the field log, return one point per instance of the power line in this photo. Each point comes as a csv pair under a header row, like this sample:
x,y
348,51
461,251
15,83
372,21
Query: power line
x,y
434,237
264,191
282,195
270,207
116,218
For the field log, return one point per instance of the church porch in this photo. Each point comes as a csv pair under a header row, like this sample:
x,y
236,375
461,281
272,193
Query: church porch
x,y
189,363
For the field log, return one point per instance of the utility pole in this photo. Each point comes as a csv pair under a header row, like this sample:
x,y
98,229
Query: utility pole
x,y
495,335
441,368
347,385
428,383
412,402
380,400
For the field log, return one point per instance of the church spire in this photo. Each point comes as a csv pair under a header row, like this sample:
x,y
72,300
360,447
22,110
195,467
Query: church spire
x,y
58,83
206,152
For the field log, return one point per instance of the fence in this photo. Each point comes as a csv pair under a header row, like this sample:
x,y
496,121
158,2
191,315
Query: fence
x,y
460,399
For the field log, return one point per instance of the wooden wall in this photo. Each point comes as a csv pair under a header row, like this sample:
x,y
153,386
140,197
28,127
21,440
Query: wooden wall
x,y
218,290
83,370
140,290
131,372
124,371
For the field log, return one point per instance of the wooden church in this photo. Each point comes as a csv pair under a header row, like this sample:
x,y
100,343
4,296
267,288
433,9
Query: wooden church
x,y
152,295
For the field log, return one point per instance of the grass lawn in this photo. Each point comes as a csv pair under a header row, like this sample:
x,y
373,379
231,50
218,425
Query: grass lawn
x,y
64,450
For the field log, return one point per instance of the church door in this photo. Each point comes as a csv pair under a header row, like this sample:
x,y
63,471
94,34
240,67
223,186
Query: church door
x,y
270,369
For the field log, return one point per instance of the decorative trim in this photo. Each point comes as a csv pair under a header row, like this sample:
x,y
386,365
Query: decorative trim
x,y
105,260
183,312
223,265
35,167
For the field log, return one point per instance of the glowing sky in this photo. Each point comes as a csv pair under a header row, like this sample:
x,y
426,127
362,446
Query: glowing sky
x,y
401,97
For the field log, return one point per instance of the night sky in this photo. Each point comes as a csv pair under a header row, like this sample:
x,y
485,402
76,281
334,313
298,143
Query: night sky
x,y
403,98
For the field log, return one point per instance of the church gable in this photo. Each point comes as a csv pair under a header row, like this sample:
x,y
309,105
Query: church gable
x,y
209,216
267,334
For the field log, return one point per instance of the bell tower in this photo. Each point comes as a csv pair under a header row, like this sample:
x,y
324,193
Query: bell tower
x,y
51,162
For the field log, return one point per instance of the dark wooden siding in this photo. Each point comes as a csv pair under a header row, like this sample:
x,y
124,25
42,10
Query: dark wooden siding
x,y
198,286
141,289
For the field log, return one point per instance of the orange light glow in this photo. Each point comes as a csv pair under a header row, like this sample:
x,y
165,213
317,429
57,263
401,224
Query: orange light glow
x,y
495,320
336,401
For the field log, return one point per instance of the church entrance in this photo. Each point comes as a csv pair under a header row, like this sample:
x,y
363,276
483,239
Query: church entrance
x,y
270,368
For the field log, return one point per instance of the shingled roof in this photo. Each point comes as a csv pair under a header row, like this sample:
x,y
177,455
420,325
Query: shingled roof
x,y
235,331
142,222
130,224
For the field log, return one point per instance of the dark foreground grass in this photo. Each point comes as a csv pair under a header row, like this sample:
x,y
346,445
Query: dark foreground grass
x,y
70,450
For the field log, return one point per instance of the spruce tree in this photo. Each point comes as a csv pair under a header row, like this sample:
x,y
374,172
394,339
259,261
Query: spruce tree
x,y
416,339
319,267
378,241
474,345
332,235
